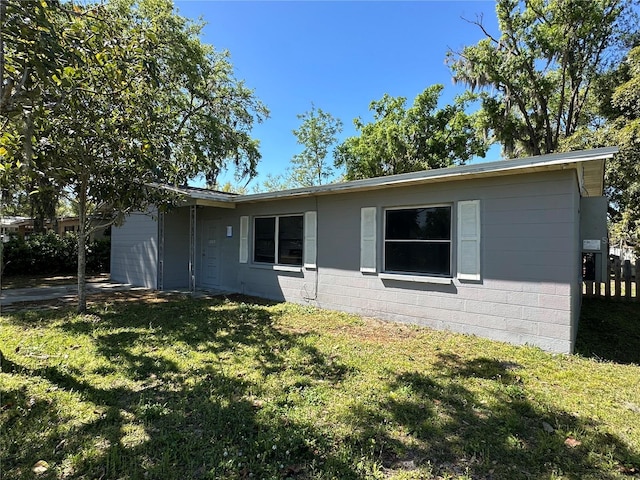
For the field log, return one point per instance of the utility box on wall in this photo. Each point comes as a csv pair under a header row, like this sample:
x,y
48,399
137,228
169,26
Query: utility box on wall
x,y
594,238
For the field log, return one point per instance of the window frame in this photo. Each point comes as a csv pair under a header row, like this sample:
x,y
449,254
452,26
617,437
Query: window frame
x,y
450,241
276,253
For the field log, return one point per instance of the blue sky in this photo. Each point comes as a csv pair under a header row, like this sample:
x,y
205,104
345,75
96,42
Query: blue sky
x,y
337,55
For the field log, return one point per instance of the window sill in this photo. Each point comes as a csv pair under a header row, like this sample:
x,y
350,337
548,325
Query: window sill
x,y
415,278
278,268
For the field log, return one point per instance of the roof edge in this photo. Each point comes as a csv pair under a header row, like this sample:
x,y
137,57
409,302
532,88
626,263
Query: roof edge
x,y
494,168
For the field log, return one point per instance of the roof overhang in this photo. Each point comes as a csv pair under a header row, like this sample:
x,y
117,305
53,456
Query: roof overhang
x,y
588,166
199,197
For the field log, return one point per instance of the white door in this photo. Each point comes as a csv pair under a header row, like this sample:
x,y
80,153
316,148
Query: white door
x,y
209,273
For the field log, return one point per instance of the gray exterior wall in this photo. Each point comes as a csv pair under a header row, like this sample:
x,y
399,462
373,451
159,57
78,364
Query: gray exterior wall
x,y
593,226
175,263
134,251
530,254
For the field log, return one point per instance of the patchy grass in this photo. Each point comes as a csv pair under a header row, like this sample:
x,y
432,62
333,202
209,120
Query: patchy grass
x,y
174,388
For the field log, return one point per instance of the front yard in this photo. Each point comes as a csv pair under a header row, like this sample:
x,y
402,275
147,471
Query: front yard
x,y
173,388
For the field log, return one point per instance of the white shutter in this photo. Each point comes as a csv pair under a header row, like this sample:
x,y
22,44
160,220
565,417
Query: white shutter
x,y
310,239
244,239
368,239
469,240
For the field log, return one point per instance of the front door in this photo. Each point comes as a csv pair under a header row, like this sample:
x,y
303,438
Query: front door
x,y
209,254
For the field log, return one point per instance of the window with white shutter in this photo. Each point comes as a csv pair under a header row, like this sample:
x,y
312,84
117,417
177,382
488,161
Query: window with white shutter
x,y
368,239
310,239
469,240
244,239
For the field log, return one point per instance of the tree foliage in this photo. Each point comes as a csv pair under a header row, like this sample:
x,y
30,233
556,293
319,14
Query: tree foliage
x,y
401,139
623,130
317,134
537,76
132,98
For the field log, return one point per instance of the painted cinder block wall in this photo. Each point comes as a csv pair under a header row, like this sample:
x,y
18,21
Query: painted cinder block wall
x,y
530,254
134,250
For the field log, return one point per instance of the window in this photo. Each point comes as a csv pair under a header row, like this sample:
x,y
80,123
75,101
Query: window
x,y
418,240
278,240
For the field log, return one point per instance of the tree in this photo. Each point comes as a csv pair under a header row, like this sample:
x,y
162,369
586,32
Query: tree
x,y
401,140
30,51
620,104
140,101
537,75
275,182
316,134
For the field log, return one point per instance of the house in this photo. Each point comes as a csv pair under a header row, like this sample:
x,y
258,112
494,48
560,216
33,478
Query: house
x,y
23,227
492,249
12,226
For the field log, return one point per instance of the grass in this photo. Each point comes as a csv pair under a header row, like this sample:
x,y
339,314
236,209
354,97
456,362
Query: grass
x,y
174,388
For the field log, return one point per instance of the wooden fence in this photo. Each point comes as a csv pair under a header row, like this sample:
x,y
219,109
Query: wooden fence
x,y
623,284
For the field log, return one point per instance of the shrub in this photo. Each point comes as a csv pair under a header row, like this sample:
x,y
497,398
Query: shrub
x,y
52,254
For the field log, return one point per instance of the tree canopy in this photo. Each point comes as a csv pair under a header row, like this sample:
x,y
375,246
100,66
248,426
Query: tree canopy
x,y
130,98
401,139
537,75
621,106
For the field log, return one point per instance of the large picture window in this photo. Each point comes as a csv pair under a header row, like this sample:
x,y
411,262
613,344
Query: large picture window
x,y
418,240
278,240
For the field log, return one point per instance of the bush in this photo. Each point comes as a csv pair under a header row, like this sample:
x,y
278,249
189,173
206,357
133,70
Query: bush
x,y
52,254
99,256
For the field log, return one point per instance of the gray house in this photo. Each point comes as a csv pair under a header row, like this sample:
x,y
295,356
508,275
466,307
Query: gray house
x,y
493,249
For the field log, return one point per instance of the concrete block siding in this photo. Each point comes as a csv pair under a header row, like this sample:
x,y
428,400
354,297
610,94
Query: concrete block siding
x,y
530,257
134,251
528,262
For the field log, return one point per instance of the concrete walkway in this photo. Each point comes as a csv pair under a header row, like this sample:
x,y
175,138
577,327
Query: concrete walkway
x,y
59,292
13,297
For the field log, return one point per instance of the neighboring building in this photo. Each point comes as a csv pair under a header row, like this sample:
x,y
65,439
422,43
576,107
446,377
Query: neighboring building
x,y
493,249
12,226
23,227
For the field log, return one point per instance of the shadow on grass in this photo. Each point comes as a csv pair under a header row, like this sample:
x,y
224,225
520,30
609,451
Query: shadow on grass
x,y
189,400
609,330
460,435
164,419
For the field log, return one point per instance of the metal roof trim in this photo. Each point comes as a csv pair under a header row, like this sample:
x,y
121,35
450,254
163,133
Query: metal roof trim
x,y
495,168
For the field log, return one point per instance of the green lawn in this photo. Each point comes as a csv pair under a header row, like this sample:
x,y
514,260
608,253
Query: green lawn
x,y
164,388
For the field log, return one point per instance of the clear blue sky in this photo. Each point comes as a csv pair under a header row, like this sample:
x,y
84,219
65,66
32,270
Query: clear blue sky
x,y
339,55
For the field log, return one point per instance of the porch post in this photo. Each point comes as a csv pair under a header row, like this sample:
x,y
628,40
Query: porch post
x,y
160,250
192,248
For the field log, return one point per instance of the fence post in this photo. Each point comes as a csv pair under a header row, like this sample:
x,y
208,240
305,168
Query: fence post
x,y
627,279
607,280
617,285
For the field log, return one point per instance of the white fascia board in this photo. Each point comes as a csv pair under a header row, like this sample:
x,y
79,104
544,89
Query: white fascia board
x,y
554,161
496,168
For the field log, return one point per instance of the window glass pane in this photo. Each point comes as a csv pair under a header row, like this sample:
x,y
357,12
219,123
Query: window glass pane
x,y
290,237
264,245
432,223
418,257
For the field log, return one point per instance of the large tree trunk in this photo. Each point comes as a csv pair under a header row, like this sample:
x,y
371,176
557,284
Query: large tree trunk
x,y
82,251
